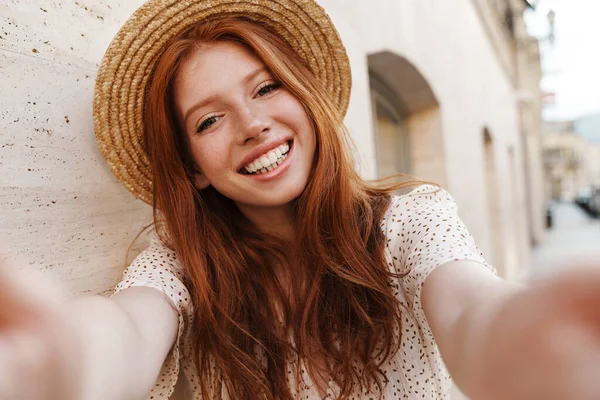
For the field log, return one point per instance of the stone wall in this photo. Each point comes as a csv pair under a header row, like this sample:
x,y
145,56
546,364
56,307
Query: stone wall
x,y
62,210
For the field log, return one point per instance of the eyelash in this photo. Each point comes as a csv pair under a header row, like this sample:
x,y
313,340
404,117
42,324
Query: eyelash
x,y
271,86
205,125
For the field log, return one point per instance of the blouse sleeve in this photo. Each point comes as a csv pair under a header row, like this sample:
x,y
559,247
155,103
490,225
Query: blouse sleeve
x,y
423,232
157,267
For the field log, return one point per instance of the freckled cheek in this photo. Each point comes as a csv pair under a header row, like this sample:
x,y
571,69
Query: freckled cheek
x,y
291,111
211,158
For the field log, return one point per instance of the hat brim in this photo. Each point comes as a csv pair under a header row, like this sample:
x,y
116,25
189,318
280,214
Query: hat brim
x,y
129,62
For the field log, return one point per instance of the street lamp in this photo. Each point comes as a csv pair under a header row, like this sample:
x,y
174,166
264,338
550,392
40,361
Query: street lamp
x,y
551,16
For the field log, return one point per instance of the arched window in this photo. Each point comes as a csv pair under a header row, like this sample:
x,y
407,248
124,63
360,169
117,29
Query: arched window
x,y
391,130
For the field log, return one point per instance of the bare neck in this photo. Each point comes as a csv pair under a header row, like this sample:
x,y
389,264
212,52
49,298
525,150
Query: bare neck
x,y
277,221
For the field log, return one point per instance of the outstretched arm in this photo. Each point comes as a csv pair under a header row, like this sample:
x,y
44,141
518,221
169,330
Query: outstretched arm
x,y
503,340
90,348
125,342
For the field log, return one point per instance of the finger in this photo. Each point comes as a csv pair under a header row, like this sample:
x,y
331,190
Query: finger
x,y
7,388
12,302
578,283
20,354
25,295
586,379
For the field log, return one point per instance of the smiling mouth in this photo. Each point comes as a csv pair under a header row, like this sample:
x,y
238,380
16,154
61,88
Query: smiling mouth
x,y
268,161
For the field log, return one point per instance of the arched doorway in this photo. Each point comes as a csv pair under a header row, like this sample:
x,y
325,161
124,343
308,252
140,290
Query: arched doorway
x,y
407,119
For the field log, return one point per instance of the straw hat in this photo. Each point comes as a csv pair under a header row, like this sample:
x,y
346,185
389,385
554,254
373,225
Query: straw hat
x,y
132,55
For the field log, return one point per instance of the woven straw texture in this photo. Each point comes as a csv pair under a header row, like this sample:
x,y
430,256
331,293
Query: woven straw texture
x,y
131,57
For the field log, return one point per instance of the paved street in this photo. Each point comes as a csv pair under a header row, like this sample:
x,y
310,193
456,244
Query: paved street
x,y
574,237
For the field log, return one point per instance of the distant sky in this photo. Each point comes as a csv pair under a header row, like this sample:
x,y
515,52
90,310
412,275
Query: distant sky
x,y
572,64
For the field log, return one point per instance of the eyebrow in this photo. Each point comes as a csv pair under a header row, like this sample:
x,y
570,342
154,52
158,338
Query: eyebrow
x,y
210,99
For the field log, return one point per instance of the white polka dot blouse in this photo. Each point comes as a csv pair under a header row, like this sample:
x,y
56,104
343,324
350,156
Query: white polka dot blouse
x,y
423,232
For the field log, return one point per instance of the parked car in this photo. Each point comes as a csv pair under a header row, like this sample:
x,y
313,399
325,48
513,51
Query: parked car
x,y
549,216
594,203
589,200
583,197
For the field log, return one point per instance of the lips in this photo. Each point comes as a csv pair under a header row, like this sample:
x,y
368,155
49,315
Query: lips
x,y
268,161
266,156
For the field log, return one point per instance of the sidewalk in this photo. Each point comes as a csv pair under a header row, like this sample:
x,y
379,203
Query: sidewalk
x,y
574,237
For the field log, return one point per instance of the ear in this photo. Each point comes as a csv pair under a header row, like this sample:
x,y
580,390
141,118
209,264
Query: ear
x,y
200,181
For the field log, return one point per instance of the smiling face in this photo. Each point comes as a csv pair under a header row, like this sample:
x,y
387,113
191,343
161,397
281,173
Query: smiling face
x,y
249,137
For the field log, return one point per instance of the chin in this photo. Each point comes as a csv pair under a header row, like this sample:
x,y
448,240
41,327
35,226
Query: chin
x,y
275,198
280,199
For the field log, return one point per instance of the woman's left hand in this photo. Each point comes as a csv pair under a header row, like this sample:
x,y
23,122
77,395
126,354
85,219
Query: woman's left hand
x,y
543,343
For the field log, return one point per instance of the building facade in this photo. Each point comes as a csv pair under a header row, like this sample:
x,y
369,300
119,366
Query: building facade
x,y
453,93
571,152
588,128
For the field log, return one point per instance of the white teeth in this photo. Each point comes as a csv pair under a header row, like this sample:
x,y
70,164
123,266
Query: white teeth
x,y
264,161
272,157
268,162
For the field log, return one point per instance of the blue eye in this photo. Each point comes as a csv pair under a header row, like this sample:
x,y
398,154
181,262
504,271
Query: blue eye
x,y
266,89
207,123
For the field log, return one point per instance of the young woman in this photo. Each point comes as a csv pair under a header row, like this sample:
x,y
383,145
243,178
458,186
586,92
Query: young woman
x,y
277,272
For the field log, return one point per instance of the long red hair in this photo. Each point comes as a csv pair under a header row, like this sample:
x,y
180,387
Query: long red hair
x,y
341,309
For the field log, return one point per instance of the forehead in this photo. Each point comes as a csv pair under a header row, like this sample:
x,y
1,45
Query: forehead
x,y
215,64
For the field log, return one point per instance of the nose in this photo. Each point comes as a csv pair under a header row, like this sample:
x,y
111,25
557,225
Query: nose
x,y
253,122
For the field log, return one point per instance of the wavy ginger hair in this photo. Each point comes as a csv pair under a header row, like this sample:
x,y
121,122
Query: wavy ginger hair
x,y
341,309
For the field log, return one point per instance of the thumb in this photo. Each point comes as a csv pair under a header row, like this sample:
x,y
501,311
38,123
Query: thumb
x,y
578,289
25,296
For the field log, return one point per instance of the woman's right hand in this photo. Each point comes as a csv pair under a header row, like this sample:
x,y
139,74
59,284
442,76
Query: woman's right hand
x,y
38,351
